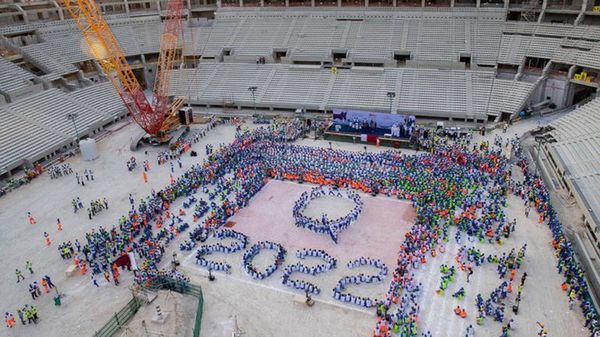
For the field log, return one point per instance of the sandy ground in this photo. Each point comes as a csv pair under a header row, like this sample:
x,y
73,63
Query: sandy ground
x,y
262,308
179,312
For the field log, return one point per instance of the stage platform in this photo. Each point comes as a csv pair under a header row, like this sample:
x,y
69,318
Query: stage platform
x,y
347,134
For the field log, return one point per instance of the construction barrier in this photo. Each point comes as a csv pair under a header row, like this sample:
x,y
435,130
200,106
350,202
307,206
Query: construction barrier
x,y
182,287
119,319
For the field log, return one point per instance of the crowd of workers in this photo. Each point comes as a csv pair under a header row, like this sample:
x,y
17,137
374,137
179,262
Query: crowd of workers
x,y
325,225
451,184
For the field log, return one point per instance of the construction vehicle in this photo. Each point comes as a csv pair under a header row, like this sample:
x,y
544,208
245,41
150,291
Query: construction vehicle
x,y
159,117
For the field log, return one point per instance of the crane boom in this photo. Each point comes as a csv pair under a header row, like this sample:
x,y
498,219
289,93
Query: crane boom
x,y
106,50
169,53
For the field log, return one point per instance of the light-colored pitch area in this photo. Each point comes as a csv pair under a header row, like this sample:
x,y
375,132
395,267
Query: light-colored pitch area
x,y
376,234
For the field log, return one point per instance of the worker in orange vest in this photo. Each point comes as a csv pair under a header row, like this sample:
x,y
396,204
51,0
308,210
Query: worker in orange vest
x,y
58,225
457,310
10,319
31,219
116,277
45,285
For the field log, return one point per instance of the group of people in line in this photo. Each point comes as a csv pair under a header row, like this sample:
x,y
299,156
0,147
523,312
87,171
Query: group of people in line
x,y
308,287
240,243
87,174
325,225
60,170
249,255
338,290
131,164
96,206
185,143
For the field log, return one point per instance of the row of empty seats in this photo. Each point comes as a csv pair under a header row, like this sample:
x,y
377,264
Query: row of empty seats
x,y
14,80
361,89
577,152
444,90
304,36
307,35
585,58
38,125
64,45
508,96
438,93
23,140
579,162
557,42
514,48
102,99
552,30
58,55
51,107
582,122
296,87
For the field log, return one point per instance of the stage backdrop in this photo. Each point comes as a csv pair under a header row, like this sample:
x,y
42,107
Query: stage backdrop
x,y
383,120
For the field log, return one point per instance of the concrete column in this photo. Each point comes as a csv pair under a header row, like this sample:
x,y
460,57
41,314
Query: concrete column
x,y
101,72
339,3
126,7
451,3
395,3
543,11
61,15
287,3
241,3
422,3
366,3
158,6
571,72
478,4
23,13
547,69
312,3
581,12
262,3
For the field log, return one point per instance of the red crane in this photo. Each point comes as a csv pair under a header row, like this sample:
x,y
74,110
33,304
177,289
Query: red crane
x,y
155,118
